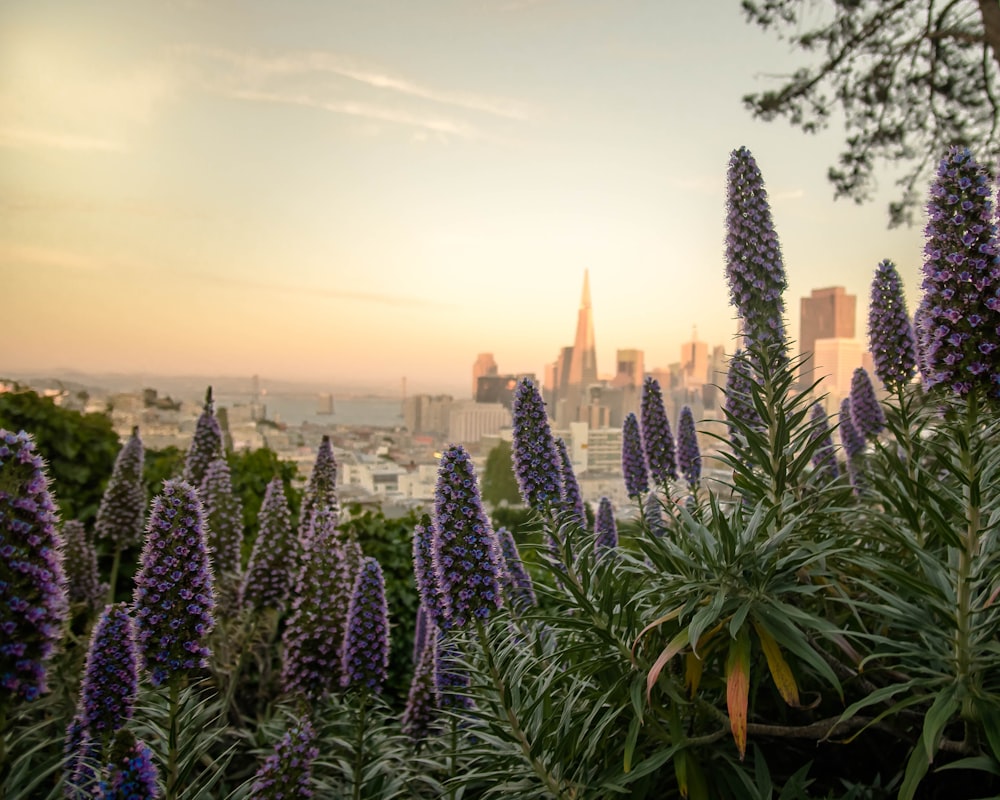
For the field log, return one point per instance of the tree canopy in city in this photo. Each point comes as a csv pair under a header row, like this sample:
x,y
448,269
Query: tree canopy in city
x,y
909,77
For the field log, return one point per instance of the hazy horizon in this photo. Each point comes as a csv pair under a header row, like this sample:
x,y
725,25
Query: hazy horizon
x,y
362,192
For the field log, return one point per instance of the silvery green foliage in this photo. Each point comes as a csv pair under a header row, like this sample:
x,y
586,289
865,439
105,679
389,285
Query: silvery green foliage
x,y
121,516
33,600
206,445
824,458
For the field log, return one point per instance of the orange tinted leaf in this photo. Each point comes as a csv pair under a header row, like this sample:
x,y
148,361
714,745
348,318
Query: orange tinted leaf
x,y
693,667
678,643
780,671
738,688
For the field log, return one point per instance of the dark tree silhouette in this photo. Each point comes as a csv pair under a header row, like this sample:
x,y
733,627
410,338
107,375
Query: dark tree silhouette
x,y
910,77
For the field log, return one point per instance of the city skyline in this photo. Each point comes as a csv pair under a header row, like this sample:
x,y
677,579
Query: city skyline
x,y
340,194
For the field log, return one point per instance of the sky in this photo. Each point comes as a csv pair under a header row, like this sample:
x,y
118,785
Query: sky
x,y
354,191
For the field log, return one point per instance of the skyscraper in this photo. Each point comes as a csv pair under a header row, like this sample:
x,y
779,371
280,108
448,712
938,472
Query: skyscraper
x,y
575,370
583,365
825,314
484,365
694,361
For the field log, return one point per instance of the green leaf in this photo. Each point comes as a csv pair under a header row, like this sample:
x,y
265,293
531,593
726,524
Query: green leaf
x,y
630,740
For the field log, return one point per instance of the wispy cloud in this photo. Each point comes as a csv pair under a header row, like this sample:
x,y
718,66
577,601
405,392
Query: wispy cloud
x,y
21,138
380,298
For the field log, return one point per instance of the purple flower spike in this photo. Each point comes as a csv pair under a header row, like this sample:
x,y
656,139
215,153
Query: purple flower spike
x,y
206,446
314,636
536,460
366,643
33,601
890,332
451,681
633,460
131,773
866,413
110,675
420,627
321,491
121,516
657,438
754,266
287,772
688,454
467,560
174,597
268,576
922,329
224,518
850,438
572,501
824,458
739,403
962,277
653,511
83,581
517,585
423,571
421,703
605,527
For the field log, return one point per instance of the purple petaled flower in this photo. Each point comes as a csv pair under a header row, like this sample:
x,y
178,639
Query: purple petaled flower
x,y
110,674
572,501
206,446
314,635
421,702
536,460
961,278
518,588
633,460
131,771
890,332
754,266
653,511
81,761
824,459
688,454
851,440
33,601
739,401
866,413
423,571
268,579
922,332
174,596
451,680
657,438
605,527
121,516
287,772
467,560
321,491
224,521
83,582
366,639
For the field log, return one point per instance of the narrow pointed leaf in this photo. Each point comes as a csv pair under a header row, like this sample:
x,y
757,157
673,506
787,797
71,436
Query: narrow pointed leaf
x,y
784,680
738,688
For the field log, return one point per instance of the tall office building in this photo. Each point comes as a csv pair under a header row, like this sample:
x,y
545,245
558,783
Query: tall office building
x,y
568,380
583,365
630,368
825,314
485,365
694,361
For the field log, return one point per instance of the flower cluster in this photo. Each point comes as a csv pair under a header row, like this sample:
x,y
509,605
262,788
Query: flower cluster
x,y
961,277
518,588
33,602
314,636
321,491
633,460
174,596
890,332
224,535
131,773
536,460
121,516
854,445
657,438
866,413
754,266
423,571
366,637
466,556
824,459
287,772
422,702
653,512
206,446
110,674
83,582
605,527
572,501
268,578
688,454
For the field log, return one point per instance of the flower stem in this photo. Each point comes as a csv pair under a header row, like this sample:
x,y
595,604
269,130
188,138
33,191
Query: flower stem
x,y
172,765
113,577
970,549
